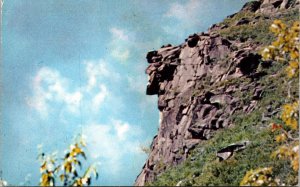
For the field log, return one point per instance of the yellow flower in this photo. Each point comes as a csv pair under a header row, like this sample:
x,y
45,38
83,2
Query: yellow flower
x,y
259,177
294,55
295,158
277,26
281,138
290,115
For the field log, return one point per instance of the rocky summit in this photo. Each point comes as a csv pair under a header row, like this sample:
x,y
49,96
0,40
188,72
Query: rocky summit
x,y
206,80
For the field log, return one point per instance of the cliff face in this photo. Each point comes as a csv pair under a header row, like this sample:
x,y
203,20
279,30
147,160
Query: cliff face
x,y
201,83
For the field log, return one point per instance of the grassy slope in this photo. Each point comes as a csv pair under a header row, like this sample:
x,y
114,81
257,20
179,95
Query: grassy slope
x,y
202,167
258,32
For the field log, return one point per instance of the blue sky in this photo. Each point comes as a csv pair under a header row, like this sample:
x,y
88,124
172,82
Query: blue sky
x,y
78,66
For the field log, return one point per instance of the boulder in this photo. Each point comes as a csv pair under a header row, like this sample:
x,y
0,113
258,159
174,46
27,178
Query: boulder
x,y
226,152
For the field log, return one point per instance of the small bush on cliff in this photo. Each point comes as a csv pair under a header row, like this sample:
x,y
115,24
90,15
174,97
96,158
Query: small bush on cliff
x,y
146,148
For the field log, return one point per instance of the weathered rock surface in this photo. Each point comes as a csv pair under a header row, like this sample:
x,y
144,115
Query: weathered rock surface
x,y
268,6
197,89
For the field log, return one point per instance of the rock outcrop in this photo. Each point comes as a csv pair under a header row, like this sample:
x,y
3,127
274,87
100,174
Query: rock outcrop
x,y
199,86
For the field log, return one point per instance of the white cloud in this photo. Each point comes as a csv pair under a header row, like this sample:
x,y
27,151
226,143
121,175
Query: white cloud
x,y
49,85
119,34
121,129
125,44
186,15
95,70
99,97
121,43
185,12
120,53
111,143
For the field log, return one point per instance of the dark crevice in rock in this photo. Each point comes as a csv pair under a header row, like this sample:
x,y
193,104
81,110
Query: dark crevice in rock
x,y
193,40
206,98
167,72
152,57
153,88
249,64
179,114
277,3
252,6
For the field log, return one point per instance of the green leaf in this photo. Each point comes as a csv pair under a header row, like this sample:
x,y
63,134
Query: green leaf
x,y
89,181
75,173
79,164
67,155
83,155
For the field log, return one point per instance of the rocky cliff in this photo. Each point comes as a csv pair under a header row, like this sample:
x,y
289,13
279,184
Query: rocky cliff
x,y
209,78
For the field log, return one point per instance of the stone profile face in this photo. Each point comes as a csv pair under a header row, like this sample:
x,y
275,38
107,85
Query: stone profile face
x,y
196,94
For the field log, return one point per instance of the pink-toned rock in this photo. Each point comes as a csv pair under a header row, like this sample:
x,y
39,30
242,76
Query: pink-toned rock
x,y
199,86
